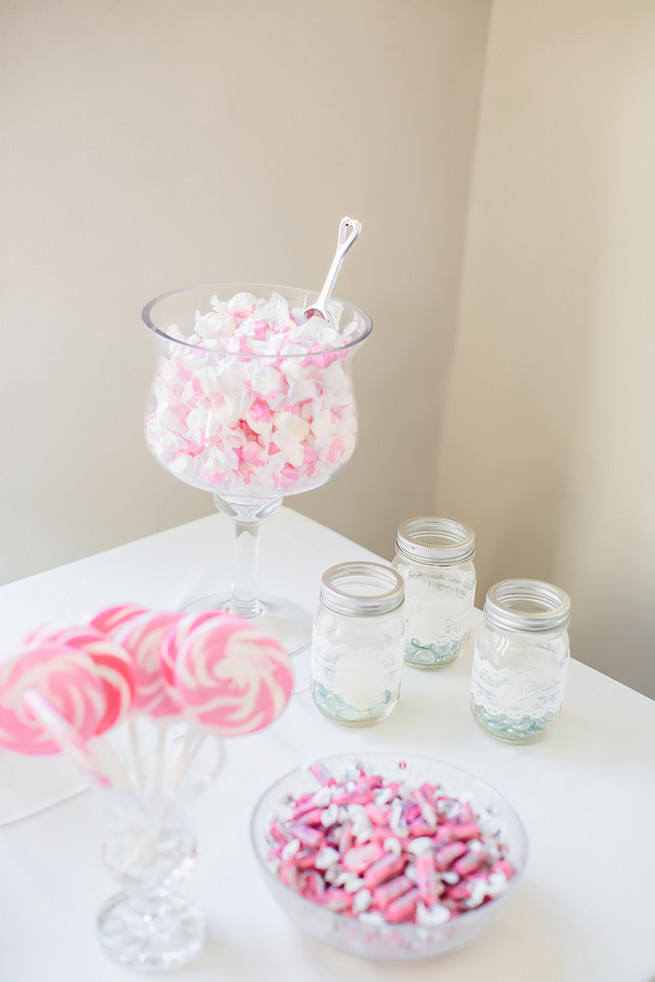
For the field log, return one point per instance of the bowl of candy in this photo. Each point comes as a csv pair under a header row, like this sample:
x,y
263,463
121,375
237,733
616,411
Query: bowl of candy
x,y
388,855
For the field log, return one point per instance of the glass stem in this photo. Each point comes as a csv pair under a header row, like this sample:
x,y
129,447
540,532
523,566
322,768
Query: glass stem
x,y
245,570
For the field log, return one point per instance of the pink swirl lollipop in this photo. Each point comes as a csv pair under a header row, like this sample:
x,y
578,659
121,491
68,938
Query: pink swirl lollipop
x,y
110,619
67,679
142,637
233,678
113,664
176,636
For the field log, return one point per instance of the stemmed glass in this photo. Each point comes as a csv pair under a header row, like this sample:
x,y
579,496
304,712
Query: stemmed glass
x,y
252,419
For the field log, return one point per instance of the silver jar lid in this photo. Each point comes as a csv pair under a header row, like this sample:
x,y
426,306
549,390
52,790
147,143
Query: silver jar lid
x,y
362,588
435,541
527,605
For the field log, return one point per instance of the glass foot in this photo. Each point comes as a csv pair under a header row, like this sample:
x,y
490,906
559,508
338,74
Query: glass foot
x,y
151,935
290,624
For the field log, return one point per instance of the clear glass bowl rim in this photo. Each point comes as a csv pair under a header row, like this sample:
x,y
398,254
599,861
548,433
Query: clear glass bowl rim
x,y
256,289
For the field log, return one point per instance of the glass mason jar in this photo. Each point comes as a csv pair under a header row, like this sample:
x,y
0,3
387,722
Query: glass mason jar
x,y
358,641
520,660
435,558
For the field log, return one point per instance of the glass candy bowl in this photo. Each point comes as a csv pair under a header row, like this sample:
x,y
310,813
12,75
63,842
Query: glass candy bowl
x,y
387,941
252,402
150,848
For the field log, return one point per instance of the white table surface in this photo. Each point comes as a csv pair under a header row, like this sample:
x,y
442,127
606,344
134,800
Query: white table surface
x,y
585,911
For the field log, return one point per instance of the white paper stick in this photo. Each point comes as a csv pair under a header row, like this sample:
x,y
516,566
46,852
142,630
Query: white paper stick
x,y
162,731
66,737
192,743
136,753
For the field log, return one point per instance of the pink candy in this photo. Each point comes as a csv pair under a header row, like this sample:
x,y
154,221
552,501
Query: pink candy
x,y
257,401
113,667
68,681
358,855
67,685
234,679
142,636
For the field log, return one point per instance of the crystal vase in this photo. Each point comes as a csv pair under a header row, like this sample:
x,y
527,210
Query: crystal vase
x,y
150,848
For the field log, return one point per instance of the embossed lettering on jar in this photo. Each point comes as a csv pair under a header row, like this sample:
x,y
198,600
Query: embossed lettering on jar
x,y
520,660
435,558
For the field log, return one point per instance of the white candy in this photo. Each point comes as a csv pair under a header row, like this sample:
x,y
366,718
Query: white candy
x,y
362,901
354,884
431,916
362,827
290,849
326,857
421,846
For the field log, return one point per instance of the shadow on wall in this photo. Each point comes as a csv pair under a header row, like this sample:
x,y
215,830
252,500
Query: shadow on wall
x,y
550,405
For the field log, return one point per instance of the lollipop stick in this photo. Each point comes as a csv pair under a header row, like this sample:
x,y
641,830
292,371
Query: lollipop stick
x,y
162,728
136,754
66,737
110,762
192,742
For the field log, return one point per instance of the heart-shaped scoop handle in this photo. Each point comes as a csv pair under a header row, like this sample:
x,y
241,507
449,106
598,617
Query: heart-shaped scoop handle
x,y
349,229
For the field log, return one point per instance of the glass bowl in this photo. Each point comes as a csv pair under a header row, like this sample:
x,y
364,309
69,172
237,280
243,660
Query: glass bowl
x,y
392,941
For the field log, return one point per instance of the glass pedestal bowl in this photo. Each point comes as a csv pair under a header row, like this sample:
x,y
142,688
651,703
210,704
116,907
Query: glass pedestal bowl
x,y
252,417
386,941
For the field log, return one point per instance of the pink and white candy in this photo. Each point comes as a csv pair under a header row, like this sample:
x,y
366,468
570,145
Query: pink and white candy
x,y
67,678
176,636
66,737
142,638
256,400
233,679
110,619
113,666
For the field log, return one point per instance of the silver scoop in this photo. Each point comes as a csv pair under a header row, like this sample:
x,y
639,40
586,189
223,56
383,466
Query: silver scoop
x,y
349,229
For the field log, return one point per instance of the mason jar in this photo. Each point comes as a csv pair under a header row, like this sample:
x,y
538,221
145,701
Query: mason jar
x,y
435,558
520,660
357,643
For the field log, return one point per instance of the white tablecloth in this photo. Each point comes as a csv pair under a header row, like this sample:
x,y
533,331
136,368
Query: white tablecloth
x,y
584,913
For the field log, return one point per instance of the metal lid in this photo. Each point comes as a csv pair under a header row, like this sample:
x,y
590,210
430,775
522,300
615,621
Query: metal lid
x,y
362,588
435,541
527,605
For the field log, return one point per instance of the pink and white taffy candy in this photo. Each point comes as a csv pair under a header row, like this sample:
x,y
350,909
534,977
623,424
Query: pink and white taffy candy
x,y
233,678
257,401
67,678
373,849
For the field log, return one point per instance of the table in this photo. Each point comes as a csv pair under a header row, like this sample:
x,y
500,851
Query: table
x,y
584,912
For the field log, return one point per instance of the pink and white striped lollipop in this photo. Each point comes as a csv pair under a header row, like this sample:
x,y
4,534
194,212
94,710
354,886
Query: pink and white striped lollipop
x,y
142,637
175,637
67,678
232,677
110,619
113,663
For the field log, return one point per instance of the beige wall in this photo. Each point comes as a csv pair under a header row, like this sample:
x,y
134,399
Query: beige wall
x,y
547,442
148,145
151,144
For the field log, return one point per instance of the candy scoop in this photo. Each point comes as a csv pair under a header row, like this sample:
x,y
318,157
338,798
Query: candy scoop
x,y
349,229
